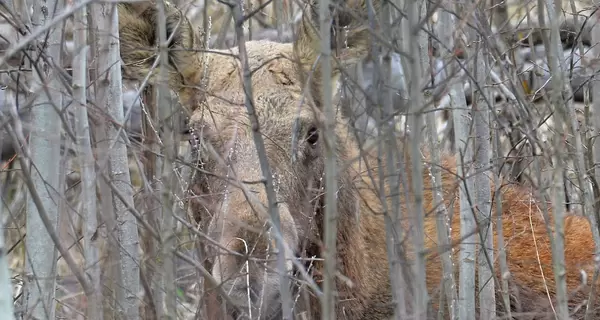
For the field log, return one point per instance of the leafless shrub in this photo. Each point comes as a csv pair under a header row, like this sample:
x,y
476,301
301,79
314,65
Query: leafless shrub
x,y
241,224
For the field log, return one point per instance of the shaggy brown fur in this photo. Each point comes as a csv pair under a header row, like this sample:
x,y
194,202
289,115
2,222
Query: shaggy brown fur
x,y
527,245
234,214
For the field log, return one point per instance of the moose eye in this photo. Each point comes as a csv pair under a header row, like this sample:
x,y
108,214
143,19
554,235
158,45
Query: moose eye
x,y
312,136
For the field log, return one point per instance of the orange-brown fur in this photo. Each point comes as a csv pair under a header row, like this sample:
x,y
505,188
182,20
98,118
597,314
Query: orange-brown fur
x,y
236,217
526,242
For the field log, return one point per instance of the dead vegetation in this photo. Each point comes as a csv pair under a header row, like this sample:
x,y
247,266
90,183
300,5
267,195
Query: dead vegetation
x,y
236,242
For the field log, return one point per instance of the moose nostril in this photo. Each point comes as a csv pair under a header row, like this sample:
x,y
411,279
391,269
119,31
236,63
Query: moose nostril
x,y
312,136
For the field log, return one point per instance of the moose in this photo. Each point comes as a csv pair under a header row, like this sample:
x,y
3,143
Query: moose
x,y
230,200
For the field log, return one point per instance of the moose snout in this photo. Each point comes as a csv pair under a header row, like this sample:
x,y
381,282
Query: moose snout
x,y
246,270
247,262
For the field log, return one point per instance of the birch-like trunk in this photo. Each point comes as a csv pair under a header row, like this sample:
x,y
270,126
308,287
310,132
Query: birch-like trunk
x,y
485,260
462,125
553,46
499,225
468,246
44,144
151,274
87,165
110,260
170,147
442,214
418,55
330,236
109,96
596,104
482,186
458,105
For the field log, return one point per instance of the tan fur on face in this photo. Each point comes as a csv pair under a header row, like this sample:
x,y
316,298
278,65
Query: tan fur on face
x,y
237,217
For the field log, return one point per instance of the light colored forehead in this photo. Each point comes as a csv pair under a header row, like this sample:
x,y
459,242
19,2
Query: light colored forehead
x,y
279,113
